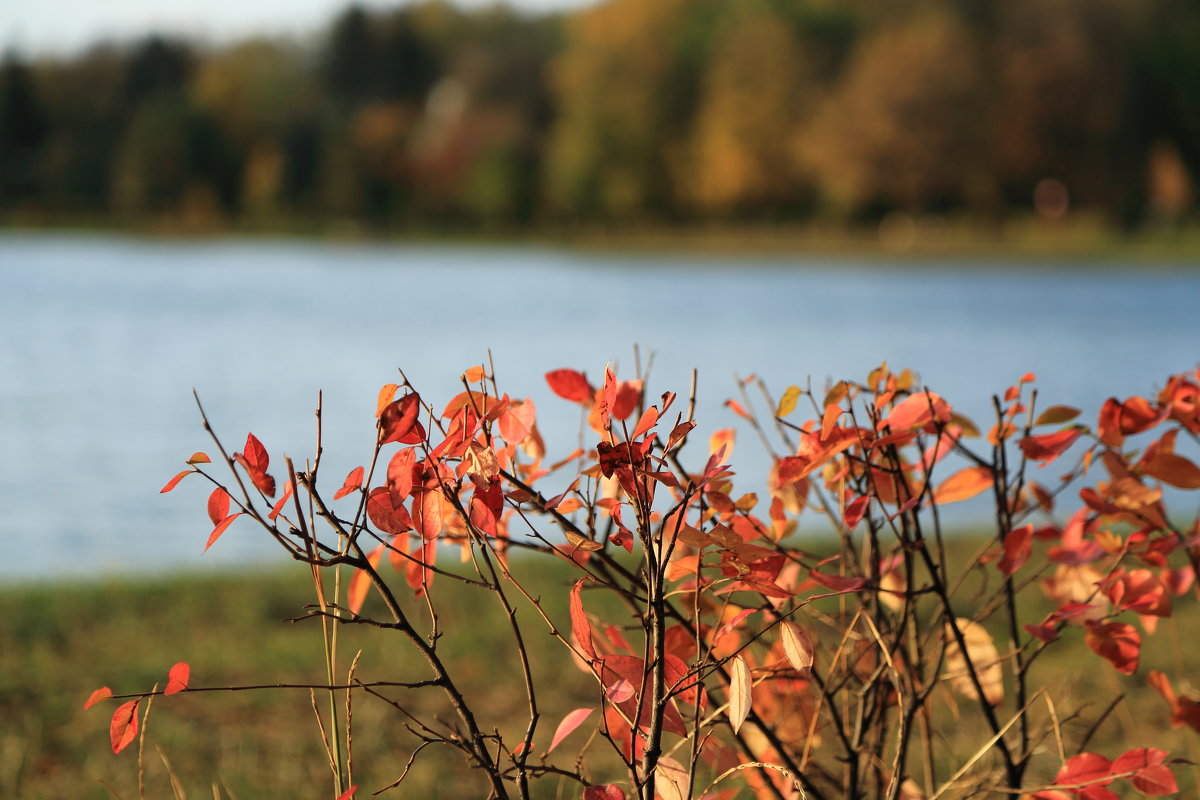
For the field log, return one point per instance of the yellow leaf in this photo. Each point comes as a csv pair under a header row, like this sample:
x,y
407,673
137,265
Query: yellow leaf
x,y
1057,415
796,646
787,403
984,659
739,692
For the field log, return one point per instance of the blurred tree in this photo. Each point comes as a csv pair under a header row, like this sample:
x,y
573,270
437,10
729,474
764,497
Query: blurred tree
x,y
347,68
251,92
23,130
624,106
1064,105
903,127
172,160
157,67
85,100
755,90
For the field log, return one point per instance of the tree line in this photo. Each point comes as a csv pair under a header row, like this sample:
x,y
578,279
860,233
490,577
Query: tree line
x,y
673,112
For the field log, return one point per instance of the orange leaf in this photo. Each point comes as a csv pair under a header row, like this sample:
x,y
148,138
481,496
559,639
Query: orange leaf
x,y
648,420
100,694
427,513
124,726
736,408
360,584
474,374
570,385
218,505
517,421
217,531
963,484
352,483
385,516
385,396
177,678
569,723
171,484
916,411
723,438
580,625
277,509
1173,469
199,458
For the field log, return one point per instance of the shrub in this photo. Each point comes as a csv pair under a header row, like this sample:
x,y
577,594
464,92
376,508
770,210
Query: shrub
x,y
729,654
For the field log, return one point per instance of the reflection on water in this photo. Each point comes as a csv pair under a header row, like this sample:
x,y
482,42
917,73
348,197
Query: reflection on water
x,y
105,337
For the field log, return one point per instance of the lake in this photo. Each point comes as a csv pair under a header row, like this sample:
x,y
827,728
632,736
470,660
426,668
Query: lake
x,y
104,338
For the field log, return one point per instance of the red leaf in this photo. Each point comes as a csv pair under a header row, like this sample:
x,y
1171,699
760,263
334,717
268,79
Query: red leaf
x,y
1118,642
570,385
124,726
579,621
855,511
171,484
1049,446
177,678
352,483
1016,549
1085,769
1108,425
100,694
360,584
399,418
569,723
606,792
1150,776
349,793
602,409
626,399
385,516
255,454
218,505
836,582
217,531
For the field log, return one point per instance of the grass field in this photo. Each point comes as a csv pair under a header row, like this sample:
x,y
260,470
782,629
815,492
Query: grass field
x,y
62,641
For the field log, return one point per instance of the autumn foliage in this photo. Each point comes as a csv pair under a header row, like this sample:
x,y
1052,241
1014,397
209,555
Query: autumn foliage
x,y
753,657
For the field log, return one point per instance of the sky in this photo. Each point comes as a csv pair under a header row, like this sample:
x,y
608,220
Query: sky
x,y
64,27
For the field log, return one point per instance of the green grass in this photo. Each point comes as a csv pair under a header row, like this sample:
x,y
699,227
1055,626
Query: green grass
x,y
61,641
